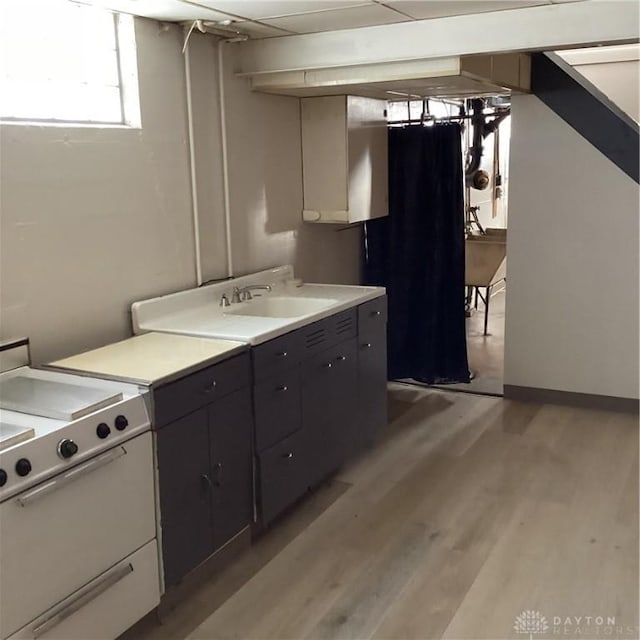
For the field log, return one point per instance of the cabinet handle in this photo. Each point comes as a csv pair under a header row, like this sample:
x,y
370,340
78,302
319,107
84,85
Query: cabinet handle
x,y
375,314
218,468
79,471
282,388
367,345
341,358
288,456
206,482
211,388
327,365
282,354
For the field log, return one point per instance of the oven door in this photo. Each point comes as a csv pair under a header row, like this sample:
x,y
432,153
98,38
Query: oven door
x,y
60,535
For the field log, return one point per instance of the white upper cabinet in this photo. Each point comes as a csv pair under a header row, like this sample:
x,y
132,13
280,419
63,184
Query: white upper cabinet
x,y
344,159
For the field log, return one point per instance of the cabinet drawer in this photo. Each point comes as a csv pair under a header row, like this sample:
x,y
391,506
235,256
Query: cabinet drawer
x,y
276,355
277,407
372,317
201,388
283,472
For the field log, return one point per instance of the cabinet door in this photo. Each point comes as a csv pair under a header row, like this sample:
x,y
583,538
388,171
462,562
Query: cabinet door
x,y
329,402
185,505
277,408
230,431
283,475
372,383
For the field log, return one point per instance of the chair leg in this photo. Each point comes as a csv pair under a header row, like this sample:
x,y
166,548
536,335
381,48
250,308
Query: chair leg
x,y
486,309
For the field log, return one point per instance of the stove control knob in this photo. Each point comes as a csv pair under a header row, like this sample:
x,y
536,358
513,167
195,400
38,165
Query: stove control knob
x,y
67,448
23,467
121,423
102,430
3,477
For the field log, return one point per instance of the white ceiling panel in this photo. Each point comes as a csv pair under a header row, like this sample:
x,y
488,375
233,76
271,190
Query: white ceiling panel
x,y
351,18
425,9
260,9
169,10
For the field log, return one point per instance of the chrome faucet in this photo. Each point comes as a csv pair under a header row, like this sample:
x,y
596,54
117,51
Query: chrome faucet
x,y
244,293
224,301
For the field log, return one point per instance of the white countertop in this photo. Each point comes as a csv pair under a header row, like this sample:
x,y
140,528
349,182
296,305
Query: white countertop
x,y
150,358
197,312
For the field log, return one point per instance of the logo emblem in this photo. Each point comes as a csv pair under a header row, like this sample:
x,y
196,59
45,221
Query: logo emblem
x,y
530,622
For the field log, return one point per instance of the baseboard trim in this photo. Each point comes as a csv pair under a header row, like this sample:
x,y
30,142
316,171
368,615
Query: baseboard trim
x,y
571,399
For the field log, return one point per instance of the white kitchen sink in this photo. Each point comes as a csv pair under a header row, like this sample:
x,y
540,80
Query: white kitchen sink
x,y
280,307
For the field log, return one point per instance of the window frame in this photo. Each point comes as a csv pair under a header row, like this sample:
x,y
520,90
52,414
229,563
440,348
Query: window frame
x,y
127,84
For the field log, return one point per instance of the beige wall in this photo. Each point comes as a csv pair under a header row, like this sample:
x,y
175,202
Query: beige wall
x,y
265,176
572,302
93,219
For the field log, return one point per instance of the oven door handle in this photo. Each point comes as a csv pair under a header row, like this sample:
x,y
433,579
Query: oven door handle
x,y
81,470
91,593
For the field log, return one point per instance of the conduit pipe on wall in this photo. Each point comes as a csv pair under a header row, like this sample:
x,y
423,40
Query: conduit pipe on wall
x,y
225,159
192,165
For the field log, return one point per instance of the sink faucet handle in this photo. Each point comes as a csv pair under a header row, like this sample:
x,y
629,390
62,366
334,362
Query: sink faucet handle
x,y
245,294
235,296
224,301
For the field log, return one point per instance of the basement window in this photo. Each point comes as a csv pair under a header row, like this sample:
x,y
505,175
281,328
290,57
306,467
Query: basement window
x,y
64,62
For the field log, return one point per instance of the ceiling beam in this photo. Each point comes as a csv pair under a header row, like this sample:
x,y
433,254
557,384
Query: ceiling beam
x,y
542,28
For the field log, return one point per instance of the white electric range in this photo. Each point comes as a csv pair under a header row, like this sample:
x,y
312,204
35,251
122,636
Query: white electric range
x,y
78,549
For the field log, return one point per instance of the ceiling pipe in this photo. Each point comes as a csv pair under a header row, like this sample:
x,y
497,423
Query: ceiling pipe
x,y
481,129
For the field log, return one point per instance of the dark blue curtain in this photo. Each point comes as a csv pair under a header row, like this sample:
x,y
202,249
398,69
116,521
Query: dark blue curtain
x,y
417,253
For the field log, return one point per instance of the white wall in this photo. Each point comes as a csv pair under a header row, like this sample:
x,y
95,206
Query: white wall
x,y
619,81
572,303
614,70
93,219
265,174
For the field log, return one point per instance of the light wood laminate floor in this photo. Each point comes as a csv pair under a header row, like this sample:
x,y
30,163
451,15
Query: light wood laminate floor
x,y
468,511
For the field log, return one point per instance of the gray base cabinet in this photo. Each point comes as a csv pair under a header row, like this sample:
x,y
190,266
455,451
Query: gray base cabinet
x,y
319,397
204,463
296,407
372,369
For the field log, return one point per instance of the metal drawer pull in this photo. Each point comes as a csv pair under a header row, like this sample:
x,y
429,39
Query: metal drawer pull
x,y
282,354
327,365
218,474
69,476
375,313
211,388
366,345
81,600
206,482
341,358
288,456
282,388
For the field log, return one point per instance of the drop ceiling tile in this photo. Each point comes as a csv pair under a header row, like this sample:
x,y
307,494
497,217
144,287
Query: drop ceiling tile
x,y
353,17
169,10
425,9
260,9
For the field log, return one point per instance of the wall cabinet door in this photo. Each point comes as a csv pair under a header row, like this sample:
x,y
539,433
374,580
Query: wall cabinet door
x,y
230,430
185,503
